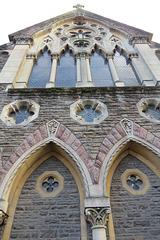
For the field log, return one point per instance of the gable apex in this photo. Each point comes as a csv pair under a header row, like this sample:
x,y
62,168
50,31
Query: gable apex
x,y
127,30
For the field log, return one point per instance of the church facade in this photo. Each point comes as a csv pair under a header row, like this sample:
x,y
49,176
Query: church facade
x,y
80,135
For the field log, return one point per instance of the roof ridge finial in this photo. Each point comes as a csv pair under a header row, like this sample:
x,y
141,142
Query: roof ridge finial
x,y
78,6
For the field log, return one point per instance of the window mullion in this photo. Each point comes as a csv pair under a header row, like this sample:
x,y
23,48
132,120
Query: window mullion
x,y
53,72
115,77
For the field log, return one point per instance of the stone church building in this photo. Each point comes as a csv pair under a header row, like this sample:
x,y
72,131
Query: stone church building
x,y
80,131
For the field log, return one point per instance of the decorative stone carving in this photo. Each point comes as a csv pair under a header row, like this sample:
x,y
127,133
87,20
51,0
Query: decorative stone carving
x,y
97,216
132,55
3,217
127,125
138,40
23,40
52,127
31,56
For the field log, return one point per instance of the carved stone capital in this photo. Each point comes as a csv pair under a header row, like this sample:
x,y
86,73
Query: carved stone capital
x,y
55,56
97,216
23,40
3,217
132,55
31,56
109,56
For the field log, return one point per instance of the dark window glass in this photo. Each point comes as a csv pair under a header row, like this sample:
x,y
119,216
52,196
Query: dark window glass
x,y
100,71
125,70
66,74
21,114
40,74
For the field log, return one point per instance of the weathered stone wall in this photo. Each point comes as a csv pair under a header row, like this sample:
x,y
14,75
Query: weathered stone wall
x,y
135,216
56,218
55,104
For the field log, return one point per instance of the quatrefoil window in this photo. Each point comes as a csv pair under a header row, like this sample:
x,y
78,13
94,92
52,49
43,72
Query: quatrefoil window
x,y
150,109
50,184
135,181
20,112
88,112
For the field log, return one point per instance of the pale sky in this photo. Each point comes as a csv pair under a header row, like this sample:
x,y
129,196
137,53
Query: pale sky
x,y
16,15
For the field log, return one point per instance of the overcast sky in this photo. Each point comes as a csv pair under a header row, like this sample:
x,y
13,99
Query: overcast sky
x,y
18,14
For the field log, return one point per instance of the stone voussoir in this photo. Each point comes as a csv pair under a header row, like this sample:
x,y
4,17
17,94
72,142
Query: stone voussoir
x,y
136,129
37,136
116,134
143,133
65,135
43,131
120,130
60,130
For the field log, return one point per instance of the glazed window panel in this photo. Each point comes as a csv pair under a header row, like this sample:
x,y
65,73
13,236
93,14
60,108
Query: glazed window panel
x,y
100,71
40,74
66,74
125,70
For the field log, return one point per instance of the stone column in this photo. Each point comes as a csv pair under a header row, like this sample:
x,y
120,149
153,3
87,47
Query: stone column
x,y
115,77
98,218
83,71
88,68
78,69
51,82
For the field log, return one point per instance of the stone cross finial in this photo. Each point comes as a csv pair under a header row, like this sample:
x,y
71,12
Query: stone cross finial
x,y
78,6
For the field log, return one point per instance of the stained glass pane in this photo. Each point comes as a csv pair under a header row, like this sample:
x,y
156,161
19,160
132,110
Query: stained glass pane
x,y
100,71
66,74
40,74
125,70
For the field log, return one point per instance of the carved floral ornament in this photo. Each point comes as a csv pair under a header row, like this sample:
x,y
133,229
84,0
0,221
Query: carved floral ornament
x,y
3,217
97,215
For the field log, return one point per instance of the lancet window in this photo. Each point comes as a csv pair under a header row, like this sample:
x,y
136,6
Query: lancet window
x,y
40,74
101,75
66,74
125,70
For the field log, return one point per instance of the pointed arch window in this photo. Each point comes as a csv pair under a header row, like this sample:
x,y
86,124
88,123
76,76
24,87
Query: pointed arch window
x,y
41,70
66,74
125,70
101,75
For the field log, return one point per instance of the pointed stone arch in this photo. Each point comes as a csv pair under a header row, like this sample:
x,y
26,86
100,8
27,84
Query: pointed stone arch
x,y
116,142
59,135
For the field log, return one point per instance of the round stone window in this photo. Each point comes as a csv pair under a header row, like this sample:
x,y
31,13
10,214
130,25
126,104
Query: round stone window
x,y
150,109
50,184
88,112
20,112
135,181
